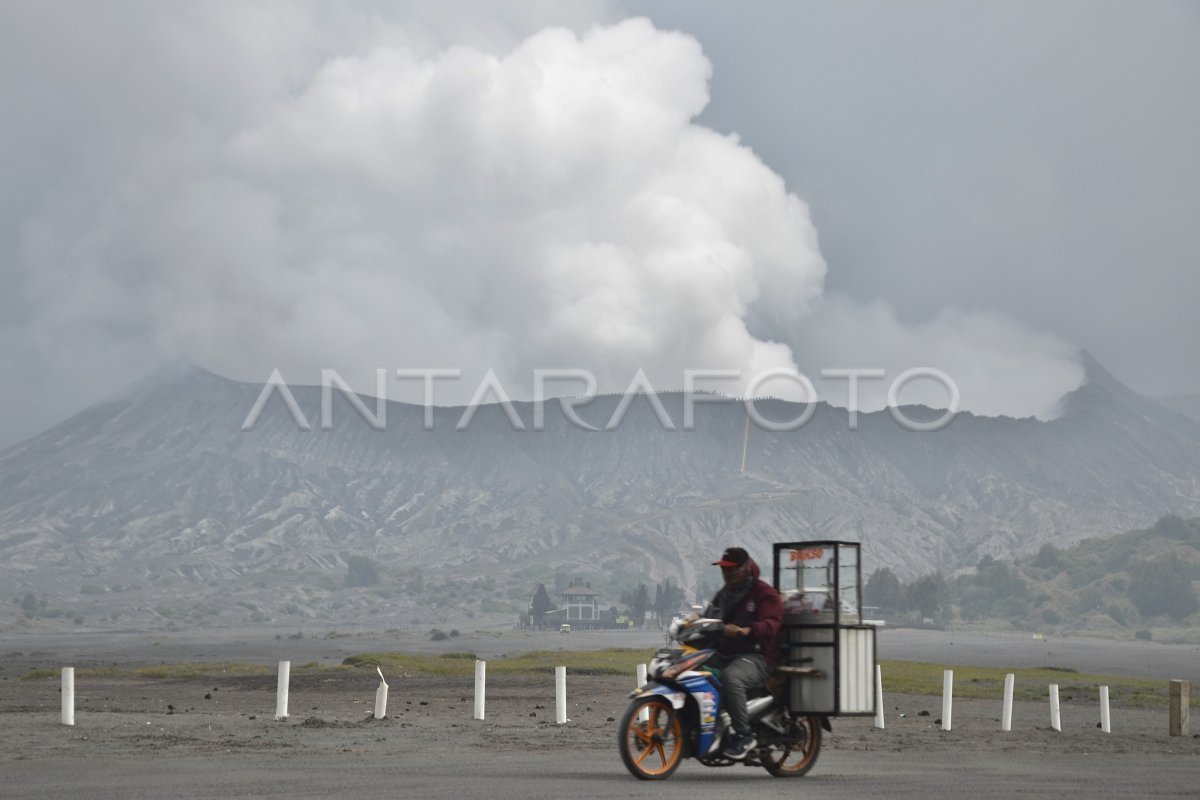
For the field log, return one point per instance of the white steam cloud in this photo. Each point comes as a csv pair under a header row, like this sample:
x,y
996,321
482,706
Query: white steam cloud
x,y
387,200
1000,367
551,207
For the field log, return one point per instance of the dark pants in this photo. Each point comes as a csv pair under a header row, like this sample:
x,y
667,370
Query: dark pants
x,y
739,674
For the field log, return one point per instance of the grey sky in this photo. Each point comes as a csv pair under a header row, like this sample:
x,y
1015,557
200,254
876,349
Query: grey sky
x,y
1035,158
992,185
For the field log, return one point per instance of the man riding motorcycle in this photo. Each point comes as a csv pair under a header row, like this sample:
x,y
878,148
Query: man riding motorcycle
x,y
752,612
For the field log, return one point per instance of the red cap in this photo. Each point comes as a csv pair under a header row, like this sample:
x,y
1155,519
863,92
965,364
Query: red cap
x,y
732,557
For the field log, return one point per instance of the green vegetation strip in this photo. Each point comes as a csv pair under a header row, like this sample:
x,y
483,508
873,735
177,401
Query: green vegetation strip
x,y
170,671
611,661
201,670
899,677
910,677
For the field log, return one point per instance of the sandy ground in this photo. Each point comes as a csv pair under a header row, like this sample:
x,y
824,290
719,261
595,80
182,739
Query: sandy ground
x,y
217,737
1098,656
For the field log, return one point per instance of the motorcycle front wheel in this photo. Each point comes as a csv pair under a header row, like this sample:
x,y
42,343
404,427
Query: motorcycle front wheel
x,y
797,756
651,749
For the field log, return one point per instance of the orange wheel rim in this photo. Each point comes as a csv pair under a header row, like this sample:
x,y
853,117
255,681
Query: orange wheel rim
x,y
805,752
650,737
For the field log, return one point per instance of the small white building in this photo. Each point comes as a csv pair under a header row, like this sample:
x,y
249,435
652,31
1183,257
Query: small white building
x,y
581,603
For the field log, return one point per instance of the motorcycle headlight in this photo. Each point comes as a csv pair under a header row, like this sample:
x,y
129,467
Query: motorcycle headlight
x,y
662,660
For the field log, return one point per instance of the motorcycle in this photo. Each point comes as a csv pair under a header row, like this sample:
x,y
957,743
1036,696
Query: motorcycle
x,y
677,714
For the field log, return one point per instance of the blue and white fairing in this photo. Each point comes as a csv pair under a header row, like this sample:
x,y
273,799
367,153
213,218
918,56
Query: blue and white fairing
x,y
708,698
706,695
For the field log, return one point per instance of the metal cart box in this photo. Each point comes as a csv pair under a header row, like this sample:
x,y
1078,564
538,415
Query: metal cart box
x,y
830,652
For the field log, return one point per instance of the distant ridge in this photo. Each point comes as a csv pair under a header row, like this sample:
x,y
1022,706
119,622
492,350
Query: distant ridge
x,y
158,481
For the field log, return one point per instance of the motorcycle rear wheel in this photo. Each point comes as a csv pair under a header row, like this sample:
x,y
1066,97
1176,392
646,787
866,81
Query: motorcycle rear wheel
x,y
653,749
797,757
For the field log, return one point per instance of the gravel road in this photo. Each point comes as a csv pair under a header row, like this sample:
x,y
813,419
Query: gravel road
x,y
144,738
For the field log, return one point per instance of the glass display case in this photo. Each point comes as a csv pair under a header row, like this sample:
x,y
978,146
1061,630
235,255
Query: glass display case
x,y
826,651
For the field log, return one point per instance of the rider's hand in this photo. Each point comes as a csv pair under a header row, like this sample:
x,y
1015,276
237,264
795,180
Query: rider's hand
x,y
692,617
733,631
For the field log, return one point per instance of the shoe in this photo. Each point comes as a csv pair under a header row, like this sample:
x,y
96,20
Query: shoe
x,y
739,746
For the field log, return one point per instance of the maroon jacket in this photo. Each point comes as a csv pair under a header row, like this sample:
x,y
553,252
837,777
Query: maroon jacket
x,y
762,612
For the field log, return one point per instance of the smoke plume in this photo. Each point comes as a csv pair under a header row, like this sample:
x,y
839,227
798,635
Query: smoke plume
x,y
262,187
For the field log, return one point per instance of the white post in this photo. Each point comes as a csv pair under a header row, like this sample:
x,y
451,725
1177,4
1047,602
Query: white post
x,y
644,714
1105,720
1055,721
560,695
480,681
947,697
68,696
281,690
878,697
381,696
1006,713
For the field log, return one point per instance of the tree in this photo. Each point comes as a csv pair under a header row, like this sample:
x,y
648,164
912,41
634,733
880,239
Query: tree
x,y
883,589
999,578
1047,557
925,594
977,602
1172,527
640,601
362,571
1163,586
540,604
667,600
677,599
